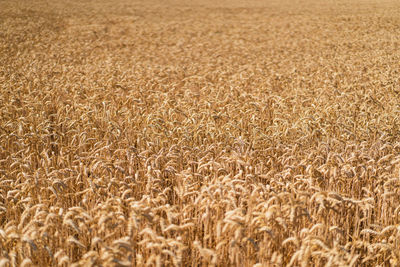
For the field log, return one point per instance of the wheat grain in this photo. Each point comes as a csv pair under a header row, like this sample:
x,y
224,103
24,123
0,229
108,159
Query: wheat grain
x,y
203,133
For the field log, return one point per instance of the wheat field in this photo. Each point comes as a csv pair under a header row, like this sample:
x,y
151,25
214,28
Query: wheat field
x,y
199,133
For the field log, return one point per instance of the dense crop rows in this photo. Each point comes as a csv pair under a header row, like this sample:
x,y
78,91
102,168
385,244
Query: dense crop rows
x,y
196,133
